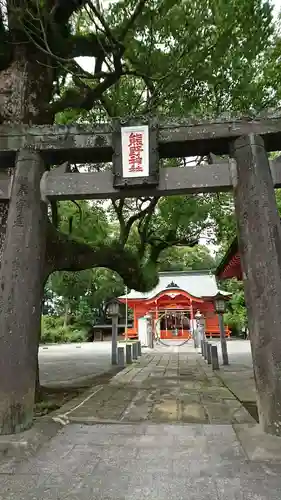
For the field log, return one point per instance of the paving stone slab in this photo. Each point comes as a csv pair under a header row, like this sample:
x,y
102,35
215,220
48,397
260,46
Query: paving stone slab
x,y
254,489
166,487
140,407
165,411
193,412
161,461
17,446
257,445
163,388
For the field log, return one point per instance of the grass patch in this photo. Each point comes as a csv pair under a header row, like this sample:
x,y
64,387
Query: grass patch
x,y
53,399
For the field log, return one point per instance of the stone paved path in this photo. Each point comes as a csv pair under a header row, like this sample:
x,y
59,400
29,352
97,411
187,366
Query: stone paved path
x,y
141,461
239,376
171,440
164,386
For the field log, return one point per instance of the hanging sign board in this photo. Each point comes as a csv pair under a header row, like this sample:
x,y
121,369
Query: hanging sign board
x,y
135,154
135,151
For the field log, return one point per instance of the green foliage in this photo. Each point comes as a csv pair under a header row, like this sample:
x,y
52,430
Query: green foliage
x,y
196,57
185,217
186,259
53,331
89,222
71,285
84,294
178,58
105,285
175,58
236,316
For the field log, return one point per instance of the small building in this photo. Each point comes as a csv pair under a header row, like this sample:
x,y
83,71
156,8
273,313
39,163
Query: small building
x,y
174,302
230,265
103,331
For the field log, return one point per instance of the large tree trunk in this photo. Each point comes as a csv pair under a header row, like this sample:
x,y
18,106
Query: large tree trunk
x,y
38,388
26,89
21,294
66,313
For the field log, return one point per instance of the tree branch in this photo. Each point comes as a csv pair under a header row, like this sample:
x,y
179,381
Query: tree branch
x,y
5,47
118,208
125,227
103,23
130,22
162,245
66,254
62,10
143,226
89,45
85,97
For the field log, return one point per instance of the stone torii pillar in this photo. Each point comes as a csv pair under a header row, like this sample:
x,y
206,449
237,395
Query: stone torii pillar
x,y
21,293
259,236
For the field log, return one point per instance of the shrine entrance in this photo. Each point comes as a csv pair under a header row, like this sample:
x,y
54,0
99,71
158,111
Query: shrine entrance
x,y
172,313
172,305
242,165
175,324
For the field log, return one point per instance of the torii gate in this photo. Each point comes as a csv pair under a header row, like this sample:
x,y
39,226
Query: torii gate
x,y
247,171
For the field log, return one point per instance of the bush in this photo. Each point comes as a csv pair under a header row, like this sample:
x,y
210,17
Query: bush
x,y
77,336
53,331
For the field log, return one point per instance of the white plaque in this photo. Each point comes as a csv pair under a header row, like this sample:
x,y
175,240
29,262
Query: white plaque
x,y
135,151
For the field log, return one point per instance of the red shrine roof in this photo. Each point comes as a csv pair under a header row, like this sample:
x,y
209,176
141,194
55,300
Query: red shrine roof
x,y
199,284
230,266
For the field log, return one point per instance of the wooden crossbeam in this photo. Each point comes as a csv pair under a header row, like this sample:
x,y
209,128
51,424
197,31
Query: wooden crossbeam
x,y
173,181
58,185
84,144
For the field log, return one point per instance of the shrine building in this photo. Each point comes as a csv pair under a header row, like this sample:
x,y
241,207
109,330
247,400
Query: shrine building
x,y
174,303
230,265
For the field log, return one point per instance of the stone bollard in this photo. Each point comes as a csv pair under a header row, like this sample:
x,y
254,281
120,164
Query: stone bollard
x,y
134,351
205,349
120,357
129,354
209,357
215,358
139,347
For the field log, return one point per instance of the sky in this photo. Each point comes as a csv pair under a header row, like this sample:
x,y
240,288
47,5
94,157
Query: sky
x,y
277,6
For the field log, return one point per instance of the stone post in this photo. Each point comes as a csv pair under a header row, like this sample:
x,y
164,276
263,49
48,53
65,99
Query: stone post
x,y
259,233
223,341
134,351
150,333
139,348
129,354
120,357
209,358
215,357
195,338
205,349
114,340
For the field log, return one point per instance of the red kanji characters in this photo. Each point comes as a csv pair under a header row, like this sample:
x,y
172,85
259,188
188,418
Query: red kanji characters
x,y
135,150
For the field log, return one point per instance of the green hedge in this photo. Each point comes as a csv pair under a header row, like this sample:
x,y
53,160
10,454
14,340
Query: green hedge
x,y
53,331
